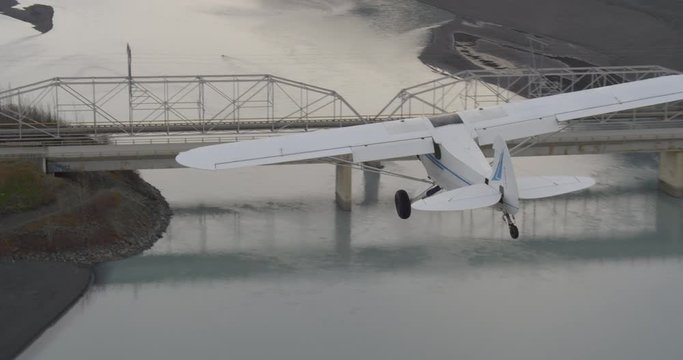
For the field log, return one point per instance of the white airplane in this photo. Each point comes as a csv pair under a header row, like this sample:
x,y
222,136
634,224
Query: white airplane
x,y
449,147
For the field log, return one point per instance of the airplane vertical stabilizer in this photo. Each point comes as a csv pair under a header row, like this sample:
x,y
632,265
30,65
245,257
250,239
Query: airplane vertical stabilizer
x,y
503,176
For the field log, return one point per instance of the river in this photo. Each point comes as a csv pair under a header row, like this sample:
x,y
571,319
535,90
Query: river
x,y
260,264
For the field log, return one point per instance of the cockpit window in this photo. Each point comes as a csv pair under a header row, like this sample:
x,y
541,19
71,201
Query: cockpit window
x,y
443,120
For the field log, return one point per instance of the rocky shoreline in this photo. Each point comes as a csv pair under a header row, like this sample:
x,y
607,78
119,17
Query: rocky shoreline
x,y
117,215
48,253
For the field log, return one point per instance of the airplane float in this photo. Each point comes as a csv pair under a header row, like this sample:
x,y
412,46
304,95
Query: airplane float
x,y
449,147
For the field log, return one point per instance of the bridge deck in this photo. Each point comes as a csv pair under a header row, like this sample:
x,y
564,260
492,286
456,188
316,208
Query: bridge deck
x,y
153,154
111,123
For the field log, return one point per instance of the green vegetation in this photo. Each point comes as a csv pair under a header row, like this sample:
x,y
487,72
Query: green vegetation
x,y
36,115
36,123
23,186
81,217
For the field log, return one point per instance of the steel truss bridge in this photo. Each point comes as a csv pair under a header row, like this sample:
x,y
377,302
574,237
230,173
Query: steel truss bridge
x,y
104,123
167,104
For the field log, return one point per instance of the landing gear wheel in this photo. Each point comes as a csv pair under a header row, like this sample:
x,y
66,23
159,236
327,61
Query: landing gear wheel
x,y
402,201
510,221
514,232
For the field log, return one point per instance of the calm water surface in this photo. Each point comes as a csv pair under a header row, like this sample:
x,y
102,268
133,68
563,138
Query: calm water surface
x,y
259,264
365,50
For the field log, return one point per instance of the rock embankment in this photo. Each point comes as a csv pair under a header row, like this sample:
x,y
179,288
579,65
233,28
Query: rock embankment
x,y
95,217
53,228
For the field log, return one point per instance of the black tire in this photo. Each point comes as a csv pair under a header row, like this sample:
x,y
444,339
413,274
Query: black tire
x,y
402,201
514,231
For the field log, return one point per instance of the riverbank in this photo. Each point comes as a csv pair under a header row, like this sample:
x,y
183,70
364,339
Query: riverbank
x,y
495,34
34,296
38,15
53,229
95,217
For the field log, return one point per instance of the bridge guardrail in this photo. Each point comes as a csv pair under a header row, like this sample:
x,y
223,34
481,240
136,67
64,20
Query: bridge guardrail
x,y
103,109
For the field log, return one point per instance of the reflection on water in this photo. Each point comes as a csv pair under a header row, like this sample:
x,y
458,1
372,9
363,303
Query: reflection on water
x,y
259,263
258,270
659,234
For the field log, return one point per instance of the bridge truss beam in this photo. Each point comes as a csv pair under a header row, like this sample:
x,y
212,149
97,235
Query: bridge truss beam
x,y
479,88
165,104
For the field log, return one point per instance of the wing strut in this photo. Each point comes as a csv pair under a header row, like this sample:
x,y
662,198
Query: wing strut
x,y
376,170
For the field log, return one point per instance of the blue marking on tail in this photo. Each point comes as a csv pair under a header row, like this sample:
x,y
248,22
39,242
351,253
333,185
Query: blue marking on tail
x,y
441,166
499,170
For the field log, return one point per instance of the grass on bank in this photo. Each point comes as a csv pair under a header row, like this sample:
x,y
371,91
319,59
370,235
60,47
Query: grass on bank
x,y
32,114
23,186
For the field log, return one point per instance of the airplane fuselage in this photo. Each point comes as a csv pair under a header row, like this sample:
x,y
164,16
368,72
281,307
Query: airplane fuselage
x,y
452,171
465,165
447,148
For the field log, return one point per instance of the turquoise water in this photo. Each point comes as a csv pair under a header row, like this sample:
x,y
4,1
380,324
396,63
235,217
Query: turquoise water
x,y
259,264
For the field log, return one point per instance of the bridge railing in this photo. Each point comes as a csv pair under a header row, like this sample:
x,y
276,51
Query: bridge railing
x,y
133,105
98,110
481,88
478,88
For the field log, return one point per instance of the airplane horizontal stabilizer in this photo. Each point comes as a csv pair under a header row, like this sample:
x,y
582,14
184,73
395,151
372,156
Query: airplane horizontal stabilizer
x,y
537,187
465,198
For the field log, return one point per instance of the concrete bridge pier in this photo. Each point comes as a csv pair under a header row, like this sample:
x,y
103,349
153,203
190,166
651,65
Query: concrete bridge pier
x,y
371,182
671,172
343,186
343,192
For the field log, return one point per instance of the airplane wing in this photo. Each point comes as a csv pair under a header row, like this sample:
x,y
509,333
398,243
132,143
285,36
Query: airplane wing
x,y
465,198
537,187
410,137
370,142
541,115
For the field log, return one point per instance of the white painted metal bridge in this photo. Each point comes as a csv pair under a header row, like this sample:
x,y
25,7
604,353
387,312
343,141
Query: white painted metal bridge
x,y
89,107
142,122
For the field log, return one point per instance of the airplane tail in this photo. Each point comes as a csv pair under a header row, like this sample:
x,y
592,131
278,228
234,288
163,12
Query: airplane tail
x,y
530,187
503,176
502,188
465,198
